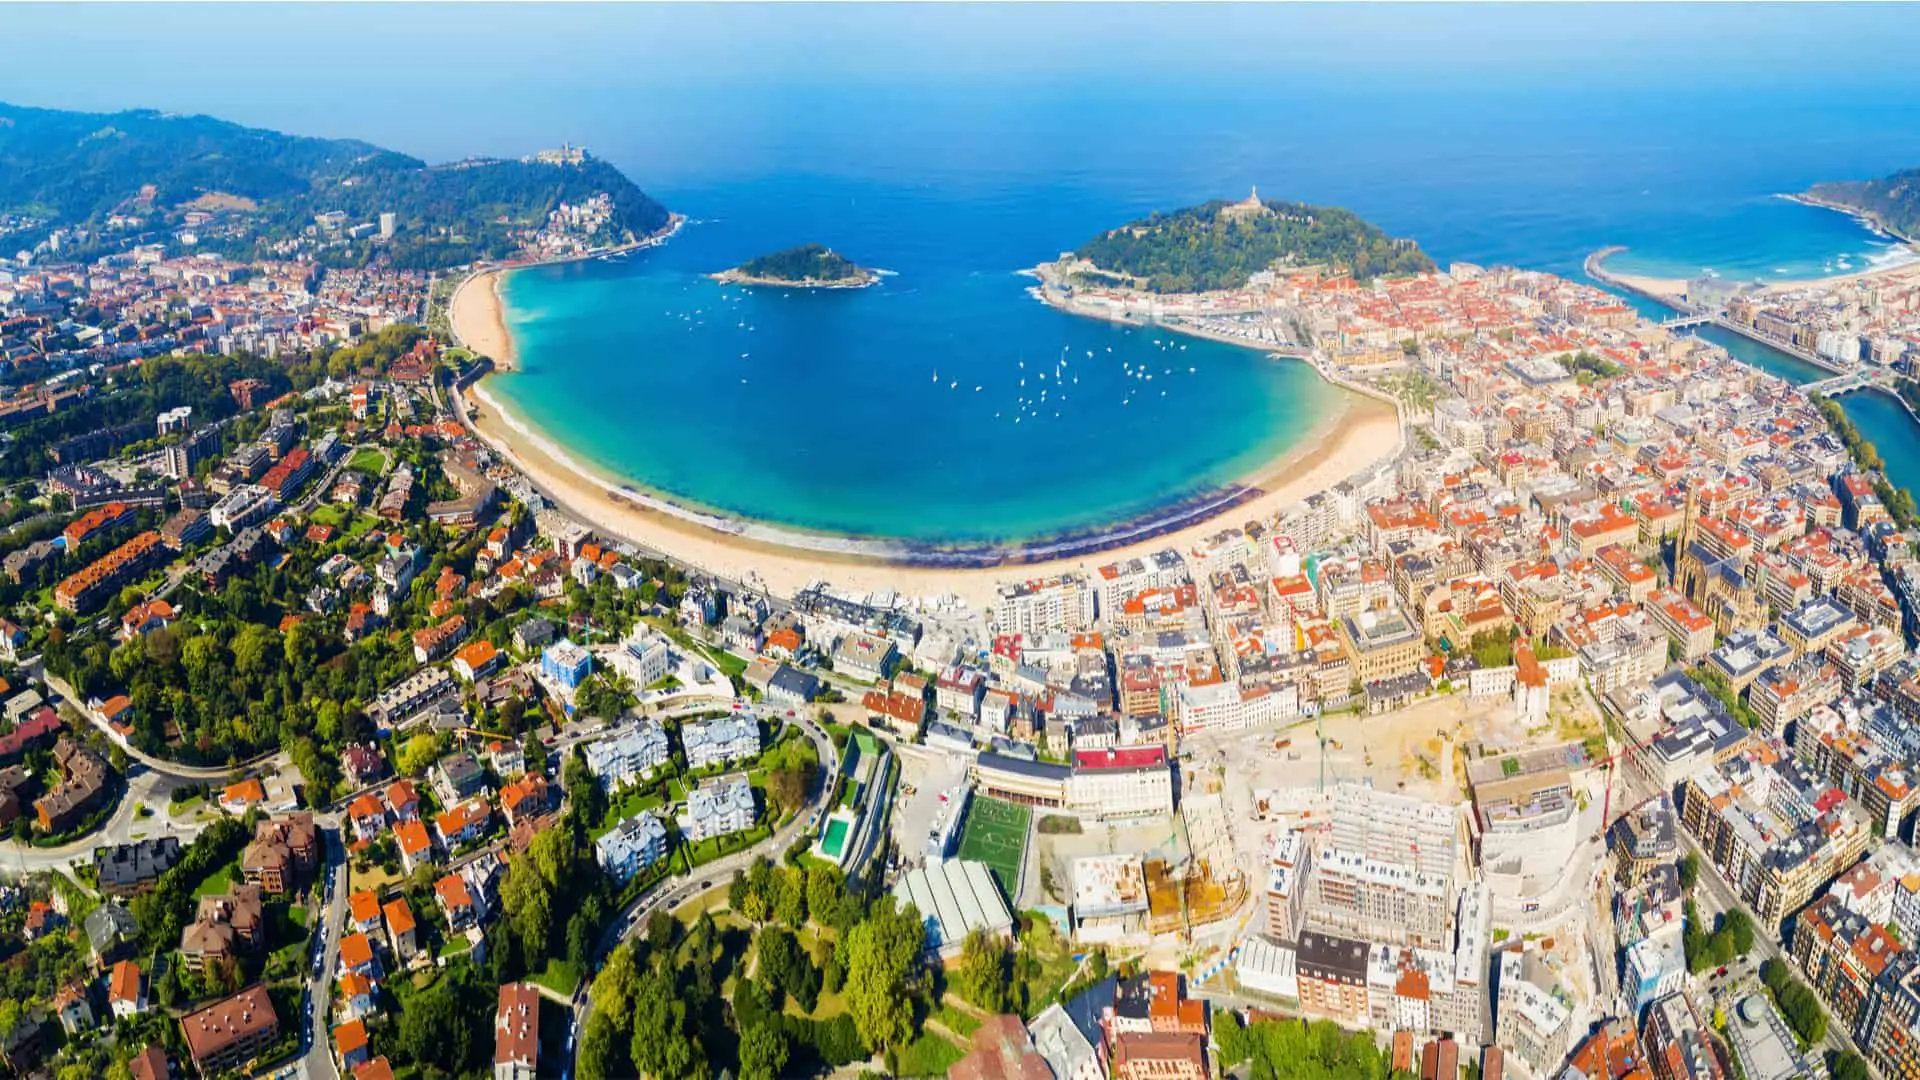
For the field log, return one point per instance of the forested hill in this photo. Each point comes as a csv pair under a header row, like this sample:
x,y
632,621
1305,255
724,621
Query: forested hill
x,y
1893,201
1218,245
808,262
76,169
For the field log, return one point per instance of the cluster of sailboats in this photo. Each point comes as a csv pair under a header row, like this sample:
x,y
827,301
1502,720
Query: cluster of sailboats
x,y
1036,399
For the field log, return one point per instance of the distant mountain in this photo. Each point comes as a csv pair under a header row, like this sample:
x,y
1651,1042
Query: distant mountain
x,y
1218,245
808,264
71,169
1892,201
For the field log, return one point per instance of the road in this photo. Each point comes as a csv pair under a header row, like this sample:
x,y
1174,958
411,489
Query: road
x,y
188,773
144,788
1715,895
317,1061
672,891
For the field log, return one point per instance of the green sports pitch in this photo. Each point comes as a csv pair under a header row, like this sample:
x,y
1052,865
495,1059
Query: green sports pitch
x,y
996,834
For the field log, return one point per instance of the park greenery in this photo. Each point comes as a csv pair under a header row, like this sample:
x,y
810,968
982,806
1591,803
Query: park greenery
x,y
1796,1002
1715,684
1491,649
1589,368
1297,1050
74,169
1847,1065
801,971
808,264
1219,245
1732,937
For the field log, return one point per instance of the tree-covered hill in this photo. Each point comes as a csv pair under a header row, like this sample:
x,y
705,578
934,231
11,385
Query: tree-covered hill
x,y
807,263
77,169
1894,201
1218,245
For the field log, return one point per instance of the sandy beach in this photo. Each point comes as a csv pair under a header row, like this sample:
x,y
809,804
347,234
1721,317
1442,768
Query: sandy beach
x,y
1676,288
1351,438
478,321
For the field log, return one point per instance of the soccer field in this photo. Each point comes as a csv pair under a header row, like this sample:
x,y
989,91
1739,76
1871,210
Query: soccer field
x,y
996,834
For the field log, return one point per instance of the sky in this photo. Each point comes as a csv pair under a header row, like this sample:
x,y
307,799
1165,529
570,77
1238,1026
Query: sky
x,y
402,75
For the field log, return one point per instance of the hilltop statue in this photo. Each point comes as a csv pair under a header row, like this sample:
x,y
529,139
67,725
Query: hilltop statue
x,y
1251,206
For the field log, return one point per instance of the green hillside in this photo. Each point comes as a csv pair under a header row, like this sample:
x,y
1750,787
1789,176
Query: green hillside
x,y
1218,245
806,263
78,169
1894,201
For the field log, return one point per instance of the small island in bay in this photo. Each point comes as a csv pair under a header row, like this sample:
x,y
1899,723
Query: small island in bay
x,y
809,266
1222,245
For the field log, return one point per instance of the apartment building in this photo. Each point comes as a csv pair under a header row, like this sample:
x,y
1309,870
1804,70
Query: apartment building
x,y
1381,643
1386,871
1135,781
1533,1018
720,741
90,587
516,1033
1063,603
1332,974
629,756
224,1035
1773,829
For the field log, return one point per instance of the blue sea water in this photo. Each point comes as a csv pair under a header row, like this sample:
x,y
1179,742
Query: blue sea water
x,y
821,410
955,144
943,404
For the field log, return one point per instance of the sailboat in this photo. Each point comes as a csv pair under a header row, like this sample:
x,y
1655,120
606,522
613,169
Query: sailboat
x,y
936,375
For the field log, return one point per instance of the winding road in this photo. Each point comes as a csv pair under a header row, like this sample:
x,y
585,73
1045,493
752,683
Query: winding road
x,y
676,889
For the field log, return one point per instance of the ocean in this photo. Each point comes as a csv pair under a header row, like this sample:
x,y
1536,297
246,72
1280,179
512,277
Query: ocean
x,y
856,412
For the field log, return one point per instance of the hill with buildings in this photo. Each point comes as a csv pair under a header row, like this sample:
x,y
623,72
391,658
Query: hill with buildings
x,y
87,183
806,266
1219,245
1892,202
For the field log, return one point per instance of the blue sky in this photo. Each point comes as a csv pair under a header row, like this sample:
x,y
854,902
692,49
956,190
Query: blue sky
x,y
392,73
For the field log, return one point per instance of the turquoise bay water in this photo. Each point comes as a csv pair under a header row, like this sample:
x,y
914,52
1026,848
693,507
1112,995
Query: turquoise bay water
x,y
821,410
1763,239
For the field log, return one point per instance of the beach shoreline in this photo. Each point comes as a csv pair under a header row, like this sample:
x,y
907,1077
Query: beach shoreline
x,y
1350,438
1675,288
477,316
476,313
786,560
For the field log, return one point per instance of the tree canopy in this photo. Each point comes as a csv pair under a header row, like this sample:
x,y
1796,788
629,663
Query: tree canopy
x,y
1219,245
812,264
75,168
1893,201
1295,1050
